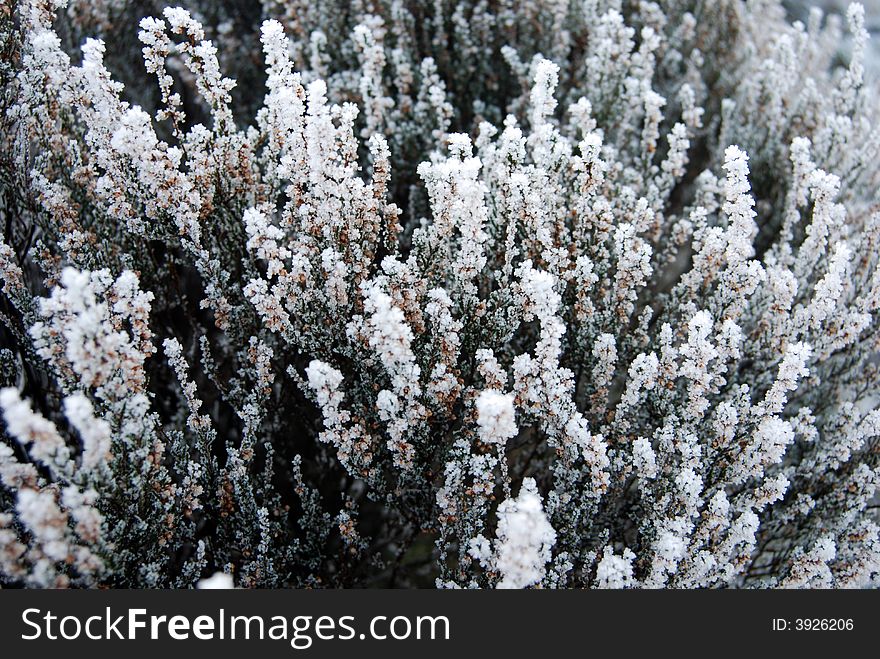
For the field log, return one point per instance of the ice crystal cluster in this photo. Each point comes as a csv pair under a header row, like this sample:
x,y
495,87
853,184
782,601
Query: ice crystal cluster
x,y
551,293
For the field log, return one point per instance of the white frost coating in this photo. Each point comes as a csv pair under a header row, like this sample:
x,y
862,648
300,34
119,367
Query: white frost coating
x,y
525,538
496,417
644,459
217,581
95,432
33,431
615,571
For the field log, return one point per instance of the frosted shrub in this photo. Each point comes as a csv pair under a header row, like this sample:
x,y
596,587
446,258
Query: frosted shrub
x,y
466,294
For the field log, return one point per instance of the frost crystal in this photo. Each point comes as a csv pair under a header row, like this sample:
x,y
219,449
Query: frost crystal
x,y
525,539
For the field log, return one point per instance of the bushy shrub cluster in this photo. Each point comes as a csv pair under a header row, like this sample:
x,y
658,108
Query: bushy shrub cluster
x,y
494,293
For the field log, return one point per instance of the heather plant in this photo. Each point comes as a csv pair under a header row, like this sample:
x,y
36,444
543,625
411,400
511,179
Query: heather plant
x,y
469,294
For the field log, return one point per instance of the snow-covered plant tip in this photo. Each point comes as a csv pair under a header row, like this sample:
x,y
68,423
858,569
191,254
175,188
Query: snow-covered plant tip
x,y
467,294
